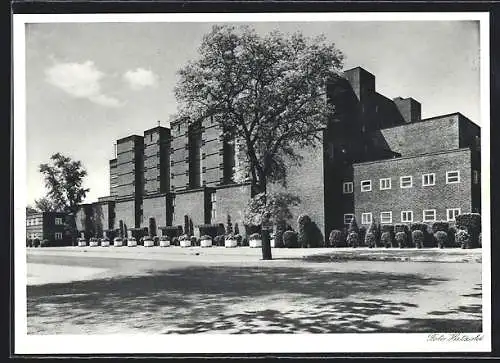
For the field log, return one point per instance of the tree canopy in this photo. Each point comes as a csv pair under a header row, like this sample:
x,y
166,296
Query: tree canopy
x,y
276,204
45,205
268,91
63,180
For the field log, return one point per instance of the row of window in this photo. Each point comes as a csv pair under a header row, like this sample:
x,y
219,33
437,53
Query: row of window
x,y
57,235
428,215
36,221
452,177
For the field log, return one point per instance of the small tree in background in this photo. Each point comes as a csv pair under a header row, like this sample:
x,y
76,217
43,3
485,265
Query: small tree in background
x,y
353,233
122,229
63,181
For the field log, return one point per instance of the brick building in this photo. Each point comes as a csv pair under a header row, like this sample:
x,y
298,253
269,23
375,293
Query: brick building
x,y
47,226
377,159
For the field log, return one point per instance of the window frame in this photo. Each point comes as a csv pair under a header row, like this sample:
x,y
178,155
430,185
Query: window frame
x,y
433,179
448,176
366,214
56,219
475,177
56,234
348,214
448,210
382,218
429,220
385,179
369,185
406,220
401,181
349,189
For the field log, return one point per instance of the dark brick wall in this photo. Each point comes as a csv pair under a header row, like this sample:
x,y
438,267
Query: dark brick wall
x,y
156,207
306,182
46,226
192,204
156,160
433,135
441,196
232,201
125,211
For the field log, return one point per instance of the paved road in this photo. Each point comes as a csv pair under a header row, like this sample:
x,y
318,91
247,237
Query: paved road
x,y
139,291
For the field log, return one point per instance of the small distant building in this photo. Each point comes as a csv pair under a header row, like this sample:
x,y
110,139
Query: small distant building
x,y
48,226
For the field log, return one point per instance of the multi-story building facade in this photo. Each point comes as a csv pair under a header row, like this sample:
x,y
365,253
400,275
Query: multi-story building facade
x,y
377,159
47,226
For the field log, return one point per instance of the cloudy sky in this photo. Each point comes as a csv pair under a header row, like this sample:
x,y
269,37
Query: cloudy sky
x,y
89,84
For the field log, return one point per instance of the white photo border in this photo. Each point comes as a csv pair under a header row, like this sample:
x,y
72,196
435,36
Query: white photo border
x,y
239,343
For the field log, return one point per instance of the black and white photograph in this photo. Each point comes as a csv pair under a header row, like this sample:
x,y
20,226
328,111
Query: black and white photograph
x,y
245,183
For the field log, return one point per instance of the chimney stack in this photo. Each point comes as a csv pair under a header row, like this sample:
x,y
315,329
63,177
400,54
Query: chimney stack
x,y
409,108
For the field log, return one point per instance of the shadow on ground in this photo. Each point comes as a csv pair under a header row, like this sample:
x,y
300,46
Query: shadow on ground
x,y
237,300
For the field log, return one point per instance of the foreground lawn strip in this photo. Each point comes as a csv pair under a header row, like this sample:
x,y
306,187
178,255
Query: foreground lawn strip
x,y
247,299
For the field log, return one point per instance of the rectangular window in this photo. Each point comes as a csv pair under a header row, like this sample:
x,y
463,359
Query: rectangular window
x,y
366,218
386,217
348,218
475,176
428,179
58,235
59,221
347,187
429,215
385,183
452,213
406,181
407,216
366,185
452,177
194,146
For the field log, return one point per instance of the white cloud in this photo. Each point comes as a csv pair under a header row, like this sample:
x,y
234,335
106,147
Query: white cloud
x,y
140,78
80,80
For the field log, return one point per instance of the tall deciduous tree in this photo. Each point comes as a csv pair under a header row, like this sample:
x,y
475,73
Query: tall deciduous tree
x,y
64,183
268,92
44,205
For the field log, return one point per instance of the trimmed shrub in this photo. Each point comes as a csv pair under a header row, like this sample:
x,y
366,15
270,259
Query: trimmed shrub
x,y
480,240
194,241
255,236
336,238
236,229
238,238
441,239
389,229
401,239
426,230
44,243
205,237
386,240
219,240
353,239
175,241
29,242
362,234
172,231
370,240
400,227
353,226
290,239
303,237
463,238
229,225
244,242
451,236
417,237
440,226
278,236
36,242
212,230
156,240
165,238
471,222
251,229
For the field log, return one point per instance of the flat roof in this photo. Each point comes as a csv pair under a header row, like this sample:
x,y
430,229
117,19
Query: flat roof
x,y
412,157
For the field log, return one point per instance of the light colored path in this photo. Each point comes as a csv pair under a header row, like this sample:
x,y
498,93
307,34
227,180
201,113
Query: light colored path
x,y
146,291
40,274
